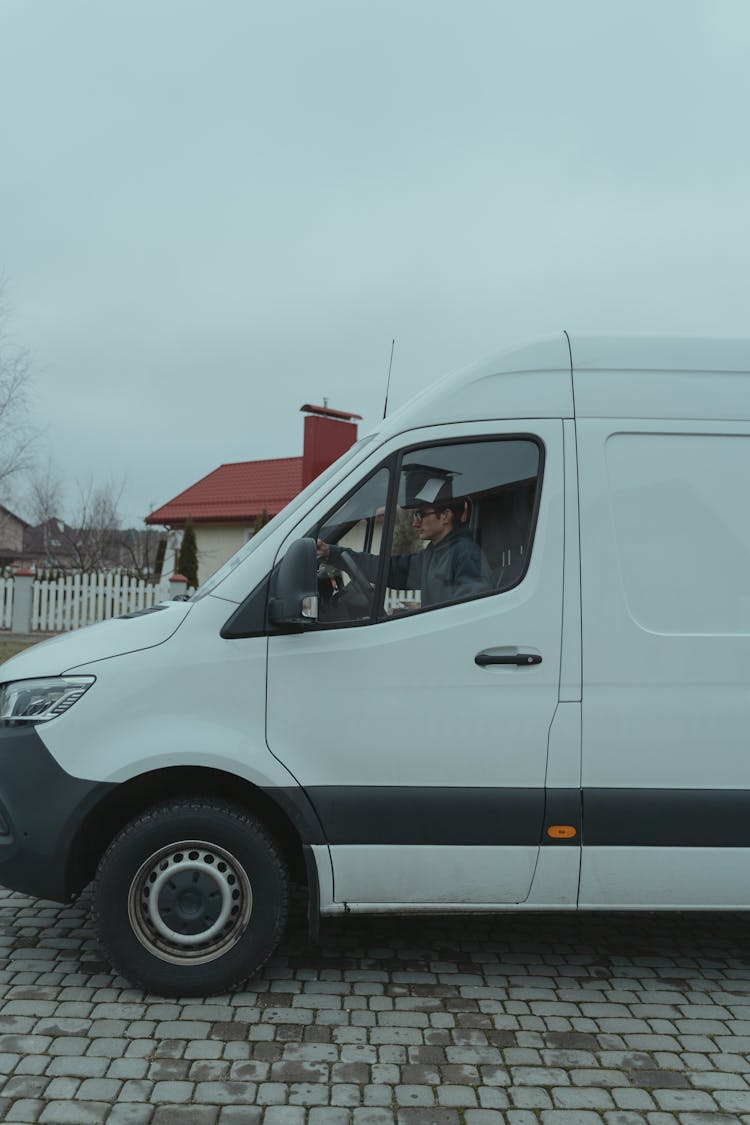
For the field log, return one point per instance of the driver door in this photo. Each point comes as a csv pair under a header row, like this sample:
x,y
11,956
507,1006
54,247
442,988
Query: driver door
x,y
427,767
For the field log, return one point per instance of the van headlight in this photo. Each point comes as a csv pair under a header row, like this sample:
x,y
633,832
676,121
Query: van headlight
x,y
38,701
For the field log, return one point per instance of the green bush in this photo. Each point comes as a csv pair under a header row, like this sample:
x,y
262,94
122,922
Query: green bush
x,y
160,552
187,561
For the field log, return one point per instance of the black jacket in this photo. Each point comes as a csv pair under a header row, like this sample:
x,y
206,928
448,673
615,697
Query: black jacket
x,y
445,571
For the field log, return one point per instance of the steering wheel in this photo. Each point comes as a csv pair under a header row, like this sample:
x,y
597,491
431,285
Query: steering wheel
x,y
359,579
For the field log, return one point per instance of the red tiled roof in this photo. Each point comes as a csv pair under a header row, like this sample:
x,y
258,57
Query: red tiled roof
x,y
235,492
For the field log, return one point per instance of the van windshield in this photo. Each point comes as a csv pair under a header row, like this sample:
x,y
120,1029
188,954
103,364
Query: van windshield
x,y
247,549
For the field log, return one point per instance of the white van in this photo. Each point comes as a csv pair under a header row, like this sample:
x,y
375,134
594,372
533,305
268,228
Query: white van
x,y
496,657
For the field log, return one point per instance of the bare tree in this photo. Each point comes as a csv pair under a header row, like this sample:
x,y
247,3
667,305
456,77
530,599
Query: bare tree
x,y
44,494
95,539
16,433
96,531
43,509
139,548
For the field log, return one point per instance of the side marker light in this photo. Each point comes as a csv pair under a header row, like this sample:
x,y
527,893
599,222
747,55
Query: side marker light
x,y
561,831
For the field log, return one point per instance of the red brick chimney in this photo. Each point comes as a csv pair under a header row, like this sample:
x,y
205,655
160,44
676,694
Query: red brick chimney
x,y
328,434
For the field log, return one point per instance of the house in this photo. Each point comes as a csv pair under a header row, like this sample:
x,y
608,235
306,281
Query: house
x,y
12,529
55,545
225,504
50,545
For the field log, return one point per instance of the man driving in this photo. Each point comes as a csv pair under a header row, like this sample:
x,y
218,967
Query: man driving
x,y
451,566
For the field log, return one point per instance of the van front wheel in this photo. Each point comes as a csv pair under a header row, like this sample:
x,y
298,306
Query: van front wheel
x,y
191,898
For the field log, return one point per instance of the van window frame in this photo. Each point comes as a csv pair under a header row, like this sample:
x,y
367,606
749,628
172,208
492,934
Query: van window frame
x,y
477,439
237,625
390,464
245,621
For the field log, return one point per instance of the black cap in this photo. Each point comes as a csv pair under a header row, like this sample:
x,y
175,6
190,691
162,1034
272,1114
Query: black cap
x,y
427,485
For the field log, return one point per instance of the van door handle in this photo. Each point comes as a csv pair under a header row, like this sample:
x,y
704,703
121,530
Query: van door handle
x,y
507,656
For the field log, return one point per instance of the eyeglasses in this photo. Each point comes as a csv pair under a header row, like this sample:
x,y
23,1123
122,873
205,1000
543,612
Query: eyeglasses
x,y
417,515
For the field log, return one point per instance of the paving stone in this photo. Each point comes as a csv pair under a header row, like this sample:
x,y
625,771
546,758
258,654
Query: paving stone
x,y
718,1080
271,1093
168,1070
662,1079
733,1101
135,1090
414,1095
172,1091
186,1115
134,1114
345,1094
329,1115
377,1095
283,1115
647,1023
223,1093
684,1100
74,1113
492,1098
75,1066
581,1097
99,1089
60,1089
373,1116
539,1076
23,1111
459,1096
240,1115
530,1097
25,1086
633,1099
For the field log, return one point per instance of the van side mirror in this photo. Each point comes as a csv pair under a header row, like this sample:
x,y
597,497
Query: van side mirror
x,y
294,596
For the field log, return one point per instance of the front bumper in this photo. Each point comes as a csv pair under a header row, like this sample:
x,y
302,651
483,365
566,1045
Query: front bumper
x,y
42,809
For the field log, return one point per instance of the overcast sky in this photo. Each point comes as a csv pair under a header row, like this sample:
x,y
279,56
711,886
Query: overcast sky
x,y
213,212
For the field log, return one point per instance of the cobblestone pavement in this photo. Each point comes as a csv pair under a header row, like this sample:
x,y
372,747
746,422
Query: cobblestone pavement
x,y
512,1019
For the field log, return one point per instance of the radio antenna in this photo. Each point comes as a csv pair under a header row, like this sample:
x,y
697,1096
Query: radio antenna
x,y
388,383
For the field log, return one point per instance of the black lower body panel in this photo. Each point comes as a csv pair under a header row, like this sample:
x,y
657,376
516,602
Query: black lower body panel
x,y
41,811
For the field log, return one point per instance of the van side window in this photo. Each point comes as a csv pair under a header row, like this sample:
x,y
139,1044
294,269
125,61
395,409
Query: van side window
x,y
460,526
463,524
349,562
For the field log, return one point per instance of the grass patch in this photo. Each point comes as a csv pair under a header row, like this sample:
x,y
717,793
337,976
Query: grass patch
x,y
10,648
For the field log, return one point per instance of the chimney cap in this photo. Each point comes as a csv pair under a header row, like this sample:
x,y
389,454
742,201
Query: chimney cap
x,y
326,412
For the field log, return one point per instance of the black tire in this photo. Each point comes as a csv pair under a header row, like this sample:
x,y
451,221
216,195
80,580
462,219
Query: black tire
x,y
191,898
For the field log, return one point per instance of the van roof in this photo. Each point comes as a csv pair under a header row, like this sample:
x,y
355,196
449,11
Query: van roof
x,y
616,376
603,352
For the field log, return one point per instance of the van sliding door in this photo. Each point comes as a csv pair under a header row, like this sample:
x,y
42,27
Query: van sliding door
x,y
665,546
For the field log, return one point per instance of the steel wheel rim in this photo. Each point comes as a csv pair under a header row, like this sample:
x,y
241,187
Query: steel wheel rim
x,y
190,902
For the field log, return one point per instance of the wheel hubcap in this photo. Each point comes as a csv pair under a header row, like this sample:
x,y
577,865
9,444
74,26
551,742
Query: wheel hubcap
x,y
190,902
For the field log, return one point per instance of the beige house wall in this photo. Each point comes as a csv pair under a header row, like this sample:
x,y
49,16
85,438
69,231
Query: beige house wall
x,y
217,542
11,534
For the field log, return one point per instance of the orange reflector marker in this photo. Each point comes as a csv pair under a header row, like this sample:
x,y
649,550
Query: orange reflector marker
x,y
561,831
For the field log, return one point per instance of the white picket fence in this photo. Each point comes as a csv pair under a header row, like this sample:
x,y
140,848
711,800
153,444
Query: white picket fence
x,y
6,602
82,599
396,600
74,600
